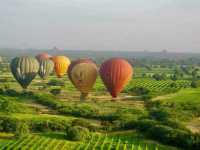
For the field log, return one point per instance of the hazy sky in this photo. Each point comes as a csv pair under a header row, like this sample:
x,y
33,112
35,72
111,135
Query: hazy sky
x,y
101,24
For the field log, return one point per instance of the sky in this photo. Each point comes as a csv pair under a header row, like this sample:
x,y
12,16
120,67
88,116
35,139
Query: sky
x,y
133,25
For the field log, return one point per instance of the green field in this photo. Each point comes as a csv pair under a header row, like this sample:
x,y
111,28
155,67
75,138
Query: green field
x,y
55,141
167,119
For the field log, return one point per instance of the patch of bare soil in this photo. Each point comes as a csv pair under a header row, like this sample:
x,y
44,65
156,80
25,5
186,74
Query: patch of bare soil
x,y
122,100
40,108
163,97
194,125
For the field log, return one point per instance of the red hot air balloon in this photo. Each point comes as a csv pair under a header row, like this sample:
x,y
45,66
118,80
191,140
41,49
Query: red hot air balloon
x,y
115,73
43,56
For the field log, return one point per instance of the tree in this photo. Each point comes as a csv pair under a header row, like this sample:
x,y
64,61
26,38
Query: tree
x,y
174,77
159,77
77,133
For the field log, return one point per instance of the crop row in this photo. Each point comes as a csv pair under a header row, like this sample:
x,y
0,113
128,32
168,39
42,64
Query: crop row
x,y
96,142
160,85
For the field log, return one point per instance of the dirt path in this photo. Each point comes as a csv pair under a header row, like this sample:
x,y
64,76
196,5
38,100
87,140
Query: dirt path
x,y
163,97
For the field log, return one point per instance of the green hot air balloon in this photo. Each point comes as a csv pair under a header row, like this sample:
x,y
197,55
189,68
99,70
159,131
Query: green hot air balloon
x,y
24,69
46,67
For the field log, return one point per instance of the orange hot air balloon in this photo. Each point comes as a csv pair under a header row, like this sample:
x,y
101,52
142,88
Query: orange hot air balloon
x,y
61,64
115,73
43,56
83,74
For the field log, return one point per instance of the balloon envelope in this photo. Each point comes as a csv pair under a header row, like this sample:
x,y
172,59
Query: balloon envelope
x,y
43,56
24,69
115,73
61,64
46,68
83,74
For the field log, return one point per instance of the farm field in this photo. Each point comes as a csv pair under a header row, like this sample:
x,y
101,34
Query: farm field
x,y
96,141
149,114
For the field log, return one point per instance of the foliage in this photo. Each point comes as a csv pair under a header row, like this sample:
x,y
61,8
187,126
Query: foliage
x,y
55,91
159,77
77,133
22,129
9,123
55,82
84,123
138,90
195,84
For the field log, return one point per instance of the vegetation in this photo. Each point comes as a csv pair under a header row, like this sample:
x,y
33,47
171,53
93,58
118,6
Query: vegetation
x,y
158,110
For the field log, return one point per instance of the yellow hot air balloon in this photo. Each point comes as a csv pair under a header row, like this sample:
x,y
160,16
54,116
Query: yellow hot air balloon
x,y
61,64
83,74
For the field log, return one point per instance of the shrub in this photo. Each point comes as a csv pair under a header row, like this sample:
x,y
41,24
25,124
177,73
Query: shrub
x,y
77,133
7,124
174,77
1,91
55,91
54,82
145,124
159,77
159,114
138,90
49,125
11,92
84,123
171,136
22,129
195,83
173,85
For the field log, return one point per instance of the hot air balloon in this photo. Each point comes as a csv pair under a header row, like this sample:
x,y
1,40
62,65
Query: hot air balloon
x,y
43,56
24,69
46,67
61,64
83,74
115,73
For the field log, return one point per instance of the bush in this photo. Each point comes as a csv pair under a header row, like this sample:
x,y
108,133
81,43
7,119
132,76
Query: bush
x,y
22,129
138,90
77,133
84,123
54,82
55,91
145,124
174,77
7,124
49,125
195,84
159,77
171,136
159,114
11,92
173,85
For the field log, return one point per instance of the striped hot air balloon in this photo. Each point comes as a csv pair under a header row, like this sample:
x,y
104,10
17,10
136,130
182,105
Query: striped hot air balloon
x,y
61,64
83,74
46,68
115,73
24,69
43,56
